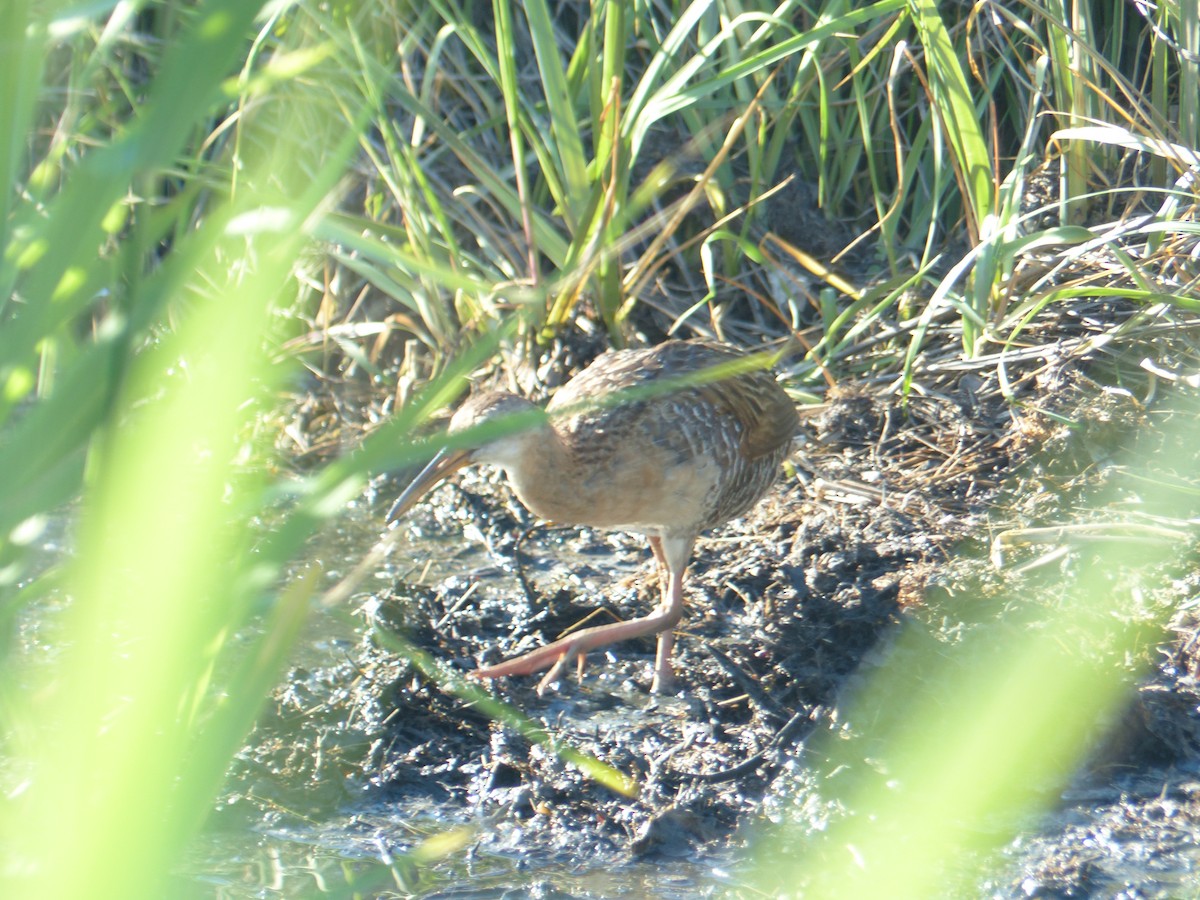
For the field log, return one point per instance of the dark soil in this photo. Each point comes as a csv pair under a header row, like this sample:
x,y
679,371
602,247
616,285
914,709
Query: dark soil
x,y
890,512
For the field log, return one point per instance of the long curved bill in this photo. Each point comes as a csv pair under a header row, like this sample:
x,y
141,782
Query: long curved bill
x,y
446,463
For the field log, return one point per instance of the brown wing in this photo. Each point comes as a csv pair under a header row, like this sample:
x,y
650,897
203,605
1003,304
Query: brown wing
x,y
763,408
753,398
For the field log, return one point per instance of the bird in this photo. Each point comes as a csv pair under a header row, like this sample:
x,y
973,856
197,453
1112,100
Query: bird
x,y
665,441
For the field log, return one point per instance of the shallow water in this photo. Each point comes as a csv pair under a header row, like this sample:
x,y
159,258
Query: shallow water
x,y
347,854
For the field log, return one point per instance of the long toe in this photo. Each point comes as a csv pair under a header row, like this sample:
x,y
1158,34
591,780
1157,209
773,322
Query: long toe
x,y
561,653
552,677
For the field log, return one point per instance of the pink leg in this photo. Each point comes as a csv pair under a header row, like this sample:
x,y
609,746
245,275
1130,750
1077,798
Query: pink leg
x,y
557,656
672,604
662,569
672,599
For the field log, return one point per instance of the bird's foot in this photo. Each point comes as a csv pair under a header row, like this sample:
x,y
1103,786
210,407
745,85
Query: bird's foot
x,y
664,682
555,657
552,677
574,647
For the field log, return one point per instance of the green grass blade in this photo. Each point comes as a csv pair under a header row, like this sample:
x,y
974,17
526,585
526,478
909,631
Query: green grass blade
x,y
20,64
952,96
567,140
59,269
673,96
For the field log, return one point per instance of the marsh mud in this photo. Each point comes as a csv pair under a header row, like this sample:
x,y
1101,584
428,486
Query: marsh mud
x,y
889,516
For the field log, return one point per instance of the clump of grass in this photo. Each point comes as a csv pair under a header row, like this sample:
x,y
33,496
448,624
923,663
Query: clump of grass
x,y
194,185
544,185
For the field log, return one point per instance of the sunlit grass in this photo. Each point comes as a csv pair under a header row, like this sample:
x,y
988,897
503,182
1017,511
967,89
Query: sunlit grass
x,y
182,176
124,741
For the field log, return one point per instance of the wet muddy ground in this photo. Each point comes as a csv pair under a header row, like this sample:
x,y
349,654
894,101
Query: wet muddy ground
x,y
888,513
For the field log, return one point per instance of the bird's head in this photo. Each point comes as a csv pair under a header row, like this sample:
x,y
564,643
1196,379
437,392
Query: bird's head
x,y
493,428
